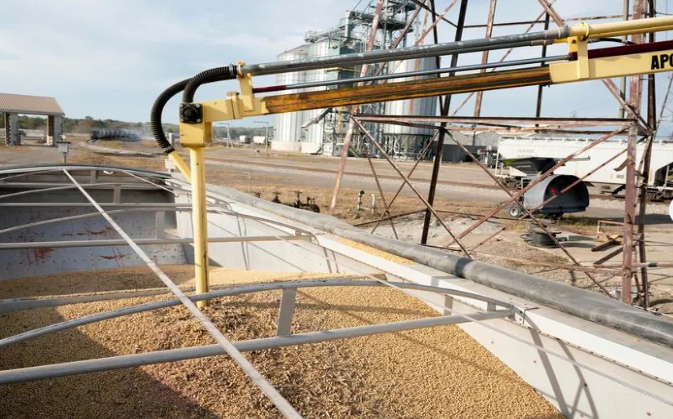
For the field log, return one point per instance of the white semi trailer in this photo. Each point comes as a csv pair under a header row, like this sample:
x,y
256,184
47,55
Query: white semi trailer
x,y
514,153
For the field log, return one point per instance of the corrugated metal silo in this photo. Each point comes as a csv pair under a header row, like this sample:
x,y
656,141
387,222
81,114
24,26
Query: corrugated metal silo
x,y
407,139
324,48
288,126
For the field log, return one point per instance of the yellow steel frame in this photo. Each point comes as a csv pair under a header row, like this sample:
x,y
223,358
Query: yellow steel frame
x,y
196,137
608,67
245,104
613,29
584,68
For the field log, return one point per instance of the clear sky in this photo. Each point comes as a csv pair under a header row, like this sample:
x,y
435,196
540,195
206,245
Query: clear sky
x,y
110,58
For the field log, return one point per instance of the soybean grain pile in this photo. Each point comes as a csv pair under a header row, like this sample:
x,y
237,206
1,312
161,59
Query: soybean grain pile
x,y
431,373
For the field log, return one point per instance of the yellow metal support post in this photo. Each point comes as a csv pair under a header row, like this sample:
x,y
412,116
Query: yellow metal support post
x,y
181,165
196,136
199,220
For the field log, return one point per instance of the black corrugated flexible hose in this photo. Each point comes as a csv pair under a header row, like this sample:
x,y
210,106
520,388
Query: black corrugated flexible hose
x,y
155,115
214,74
189,86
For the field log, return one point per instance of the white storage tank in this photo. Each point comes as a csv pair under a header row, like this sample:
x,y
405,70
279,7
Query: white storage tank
x,y
327,47
406,140
288,125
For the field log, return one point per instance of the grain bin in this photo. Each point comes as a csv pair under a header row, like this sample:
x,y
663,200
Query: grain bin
x,y
327,47
407,141
288,125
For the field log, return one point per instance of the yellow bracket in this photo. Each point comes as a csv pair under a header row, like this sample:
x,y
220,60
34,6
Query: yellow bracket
x,y
201,134
579,47
196,137
610,67
581,31
247,96
234,106
246,104
584,68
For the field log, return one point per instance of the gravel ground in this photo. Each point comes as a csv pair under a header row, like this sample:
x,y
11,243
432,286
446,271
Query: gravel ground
x,y
486,194
506,245
431,373
410,228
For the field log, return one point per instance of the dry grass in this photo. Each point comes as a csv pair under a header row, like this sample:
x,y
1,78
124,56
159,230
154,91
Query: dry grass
x,y
430,373
147,163
13,149
582,225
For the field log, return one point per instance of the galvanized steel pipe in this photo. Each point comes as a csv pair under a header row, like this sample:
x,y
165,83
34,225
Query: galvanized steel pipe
x,y
420,73
462,47
125,361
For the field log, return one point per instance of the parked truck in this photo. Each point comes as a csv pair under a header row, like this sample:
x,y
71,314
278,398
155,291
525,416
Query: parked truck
x,y
521,160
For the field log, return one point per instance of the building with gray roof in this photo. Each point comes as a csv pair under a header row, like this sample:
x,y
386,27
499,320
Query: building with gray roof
x,y
11,105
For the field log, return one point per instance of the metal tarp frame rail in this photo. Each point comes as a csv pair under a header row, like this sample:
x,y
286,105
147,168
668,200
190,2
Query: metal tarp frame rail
x,y
271,392
240,290
104,364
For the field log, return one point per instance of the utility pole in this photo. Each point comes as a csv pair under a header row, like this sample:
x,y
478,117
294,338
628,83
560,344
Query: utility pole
x,y
635,91
229,143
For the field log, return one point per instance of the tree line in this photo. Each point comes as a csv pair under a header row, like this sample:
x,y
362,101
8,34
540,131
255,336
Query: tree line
x,y
87,124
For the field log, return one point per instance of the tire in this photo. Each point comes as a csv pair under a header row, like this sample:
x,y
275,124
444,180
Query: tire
x,y
515,211
556,216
